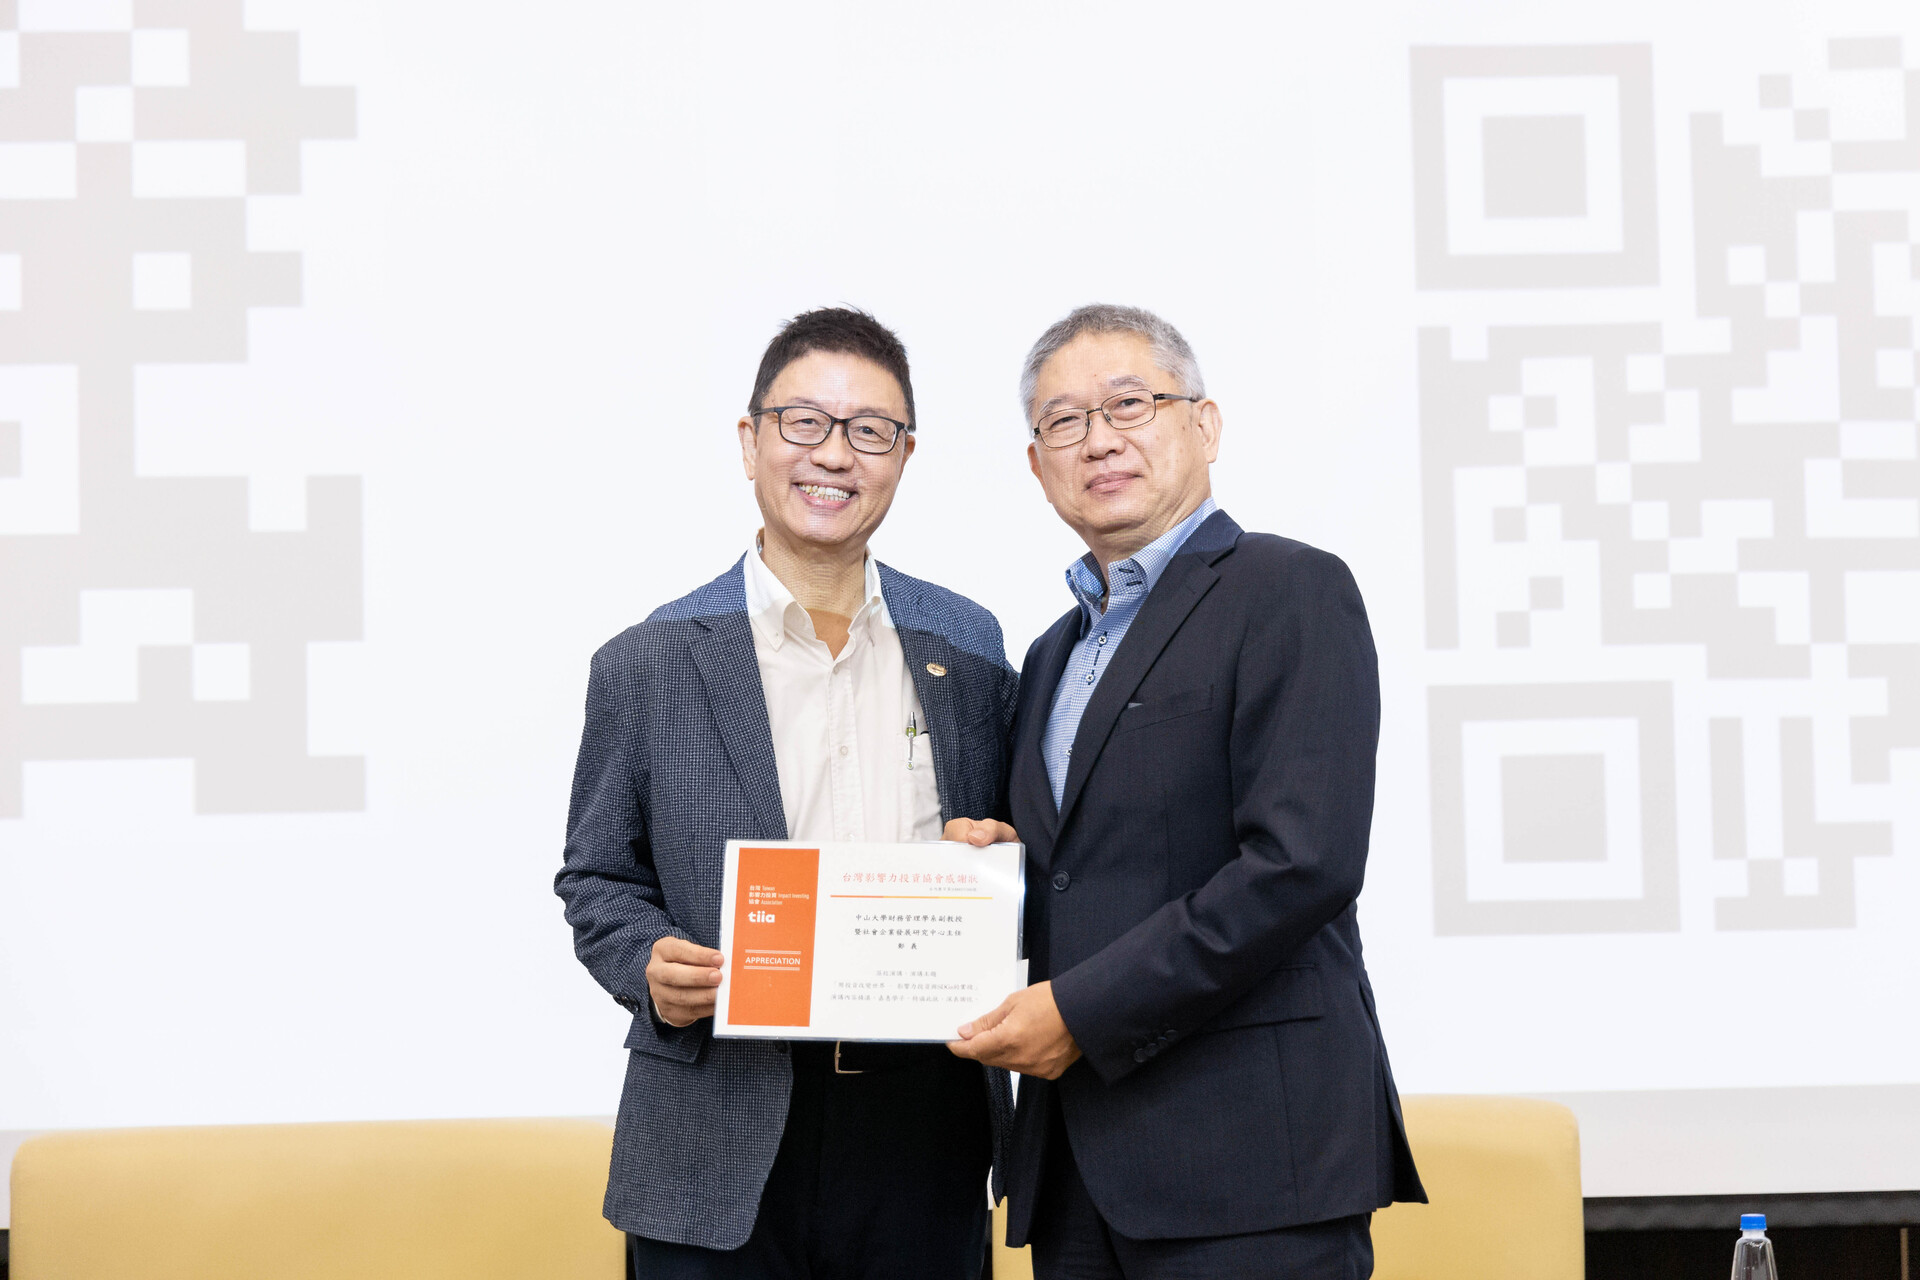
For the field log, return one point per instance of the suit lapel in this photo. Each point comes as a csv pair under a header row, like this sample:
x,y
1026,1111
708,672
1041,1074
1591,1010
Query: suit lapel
x,y
1031,789
925,651
1187,578
731,673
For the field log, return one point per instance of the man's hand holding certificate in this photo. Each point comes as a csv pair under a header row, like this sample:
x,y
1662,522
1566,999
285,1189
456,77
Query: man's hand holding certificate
x,y
826,941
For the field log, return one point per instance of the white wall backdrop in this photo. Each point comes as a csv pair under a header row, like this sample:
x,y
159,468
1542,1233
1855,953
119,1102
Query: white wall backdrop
x,y
363,367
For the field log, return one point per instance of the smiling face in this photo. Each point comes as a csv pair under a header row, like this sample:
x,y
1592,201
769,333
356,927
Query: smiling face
x,y
1119,490
826,498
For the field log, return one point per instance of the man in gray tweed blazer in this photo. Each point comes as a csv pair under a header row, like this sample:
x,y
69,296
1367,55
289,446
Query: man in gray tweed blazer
x,y
809,692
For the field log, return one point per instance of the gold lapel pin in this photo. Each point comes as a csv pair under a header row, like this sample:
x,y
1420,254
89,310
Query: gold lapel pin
x,y
935,669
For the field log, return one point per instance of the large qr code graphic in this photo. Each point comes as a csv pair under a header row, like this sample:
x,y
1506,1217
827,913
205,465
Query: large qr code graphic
x,y
151,616
1672,516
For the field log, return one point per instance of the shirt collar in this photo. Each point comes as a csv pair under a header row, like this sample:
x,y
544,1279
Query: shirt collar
x,y
1137,574
775,613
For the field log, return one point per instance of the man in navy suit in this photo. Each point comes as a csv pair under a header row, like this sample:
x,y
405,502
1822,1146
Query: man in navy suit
x,y
1208,1091
809,692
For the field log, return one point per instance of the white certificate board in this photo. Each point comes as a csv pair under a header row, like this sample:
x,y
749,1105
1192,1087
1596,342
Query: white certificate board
x,y
867,941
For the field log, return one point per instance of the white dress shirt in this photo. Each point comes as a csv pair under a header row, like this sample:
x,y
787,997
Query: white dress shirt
x,y
849,770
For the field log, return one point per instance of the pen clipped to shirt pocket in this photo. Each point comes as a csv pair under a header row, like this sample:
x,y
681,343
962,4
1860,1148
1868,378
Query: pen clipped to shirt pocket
x,y
922,785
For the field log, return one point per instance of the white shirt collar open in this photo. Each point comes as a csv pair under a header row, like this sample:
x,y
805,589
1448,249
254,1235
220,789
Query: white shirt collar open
x,y
775,613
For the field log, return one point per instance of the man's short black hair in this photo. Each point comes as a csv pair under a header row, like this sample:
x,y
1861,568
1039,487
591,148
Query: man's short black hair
x,y
842,329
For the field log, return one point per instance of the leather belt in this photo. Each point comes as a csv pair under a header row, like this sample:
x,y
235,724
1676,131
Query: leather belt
x,y
860,1057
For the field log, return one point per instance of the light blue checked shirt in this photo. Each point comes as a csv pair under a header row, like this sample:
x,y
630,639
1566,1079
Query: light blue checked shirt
x,y
1101,633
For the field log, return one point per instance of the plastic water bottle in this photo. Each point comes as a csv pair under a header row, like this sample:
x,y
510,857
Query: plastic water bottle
x,y
1753,1255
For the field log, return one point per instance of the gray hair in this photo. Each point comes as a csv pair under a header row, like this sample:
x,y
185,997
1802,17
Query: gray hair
x,y
1170,350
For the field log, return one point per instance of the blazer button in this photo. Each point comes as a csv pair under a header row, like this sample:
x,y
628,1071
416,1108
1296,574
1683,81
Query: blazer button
x,y
1061,880
1140,1055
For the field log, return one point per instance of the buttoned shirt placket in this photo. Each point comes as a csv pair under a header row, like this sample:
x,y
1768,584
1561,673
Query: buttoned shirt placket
x,y
837,720
1123,600
843,738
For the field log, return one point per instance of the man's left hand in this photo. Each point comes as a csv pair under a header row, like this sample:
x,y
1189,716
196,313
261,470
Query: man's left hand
x,y
1025,1034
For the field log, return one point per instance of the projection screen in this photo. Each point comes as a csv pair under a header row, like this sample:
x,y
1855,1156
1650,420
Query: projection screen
x,y
364,366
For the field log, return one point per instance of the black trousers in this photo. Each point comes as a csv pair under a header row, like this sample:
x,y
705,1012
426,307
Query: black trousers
x,y
1071,1241
880,1175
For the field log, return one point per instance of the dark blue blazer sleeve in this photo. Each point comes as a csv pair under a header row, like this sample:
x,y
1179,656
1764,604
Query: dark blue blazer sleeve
x,y
1306,716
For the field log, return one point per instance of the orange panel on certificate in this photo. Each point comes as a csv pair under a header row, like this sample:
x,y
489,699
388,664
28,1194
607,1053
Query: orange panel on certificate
x,y
772,952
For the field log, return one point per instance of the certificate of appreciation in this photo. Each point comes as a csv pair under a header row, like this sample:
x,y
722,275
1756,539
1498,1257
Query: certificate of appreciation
x,y
867,941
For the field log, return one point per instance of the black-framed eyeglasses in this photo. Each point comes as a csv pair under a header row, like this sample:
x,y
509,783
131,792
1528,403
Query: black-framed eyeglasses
x,y
1063,428
805,425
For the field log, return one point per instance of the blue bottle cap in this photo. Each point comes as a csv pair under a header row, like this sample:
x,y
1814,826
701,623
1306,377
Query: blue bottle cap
x,y
1753,1222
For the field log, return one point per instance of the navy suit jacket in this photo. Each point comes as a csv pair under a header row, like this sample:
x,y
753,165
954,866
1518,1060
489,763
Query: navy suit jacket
x,y
1192,900
676,758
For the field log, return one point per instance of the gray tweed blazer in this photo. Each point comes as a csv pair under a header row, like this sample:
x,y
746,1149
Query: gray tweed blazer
x,y
675,760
